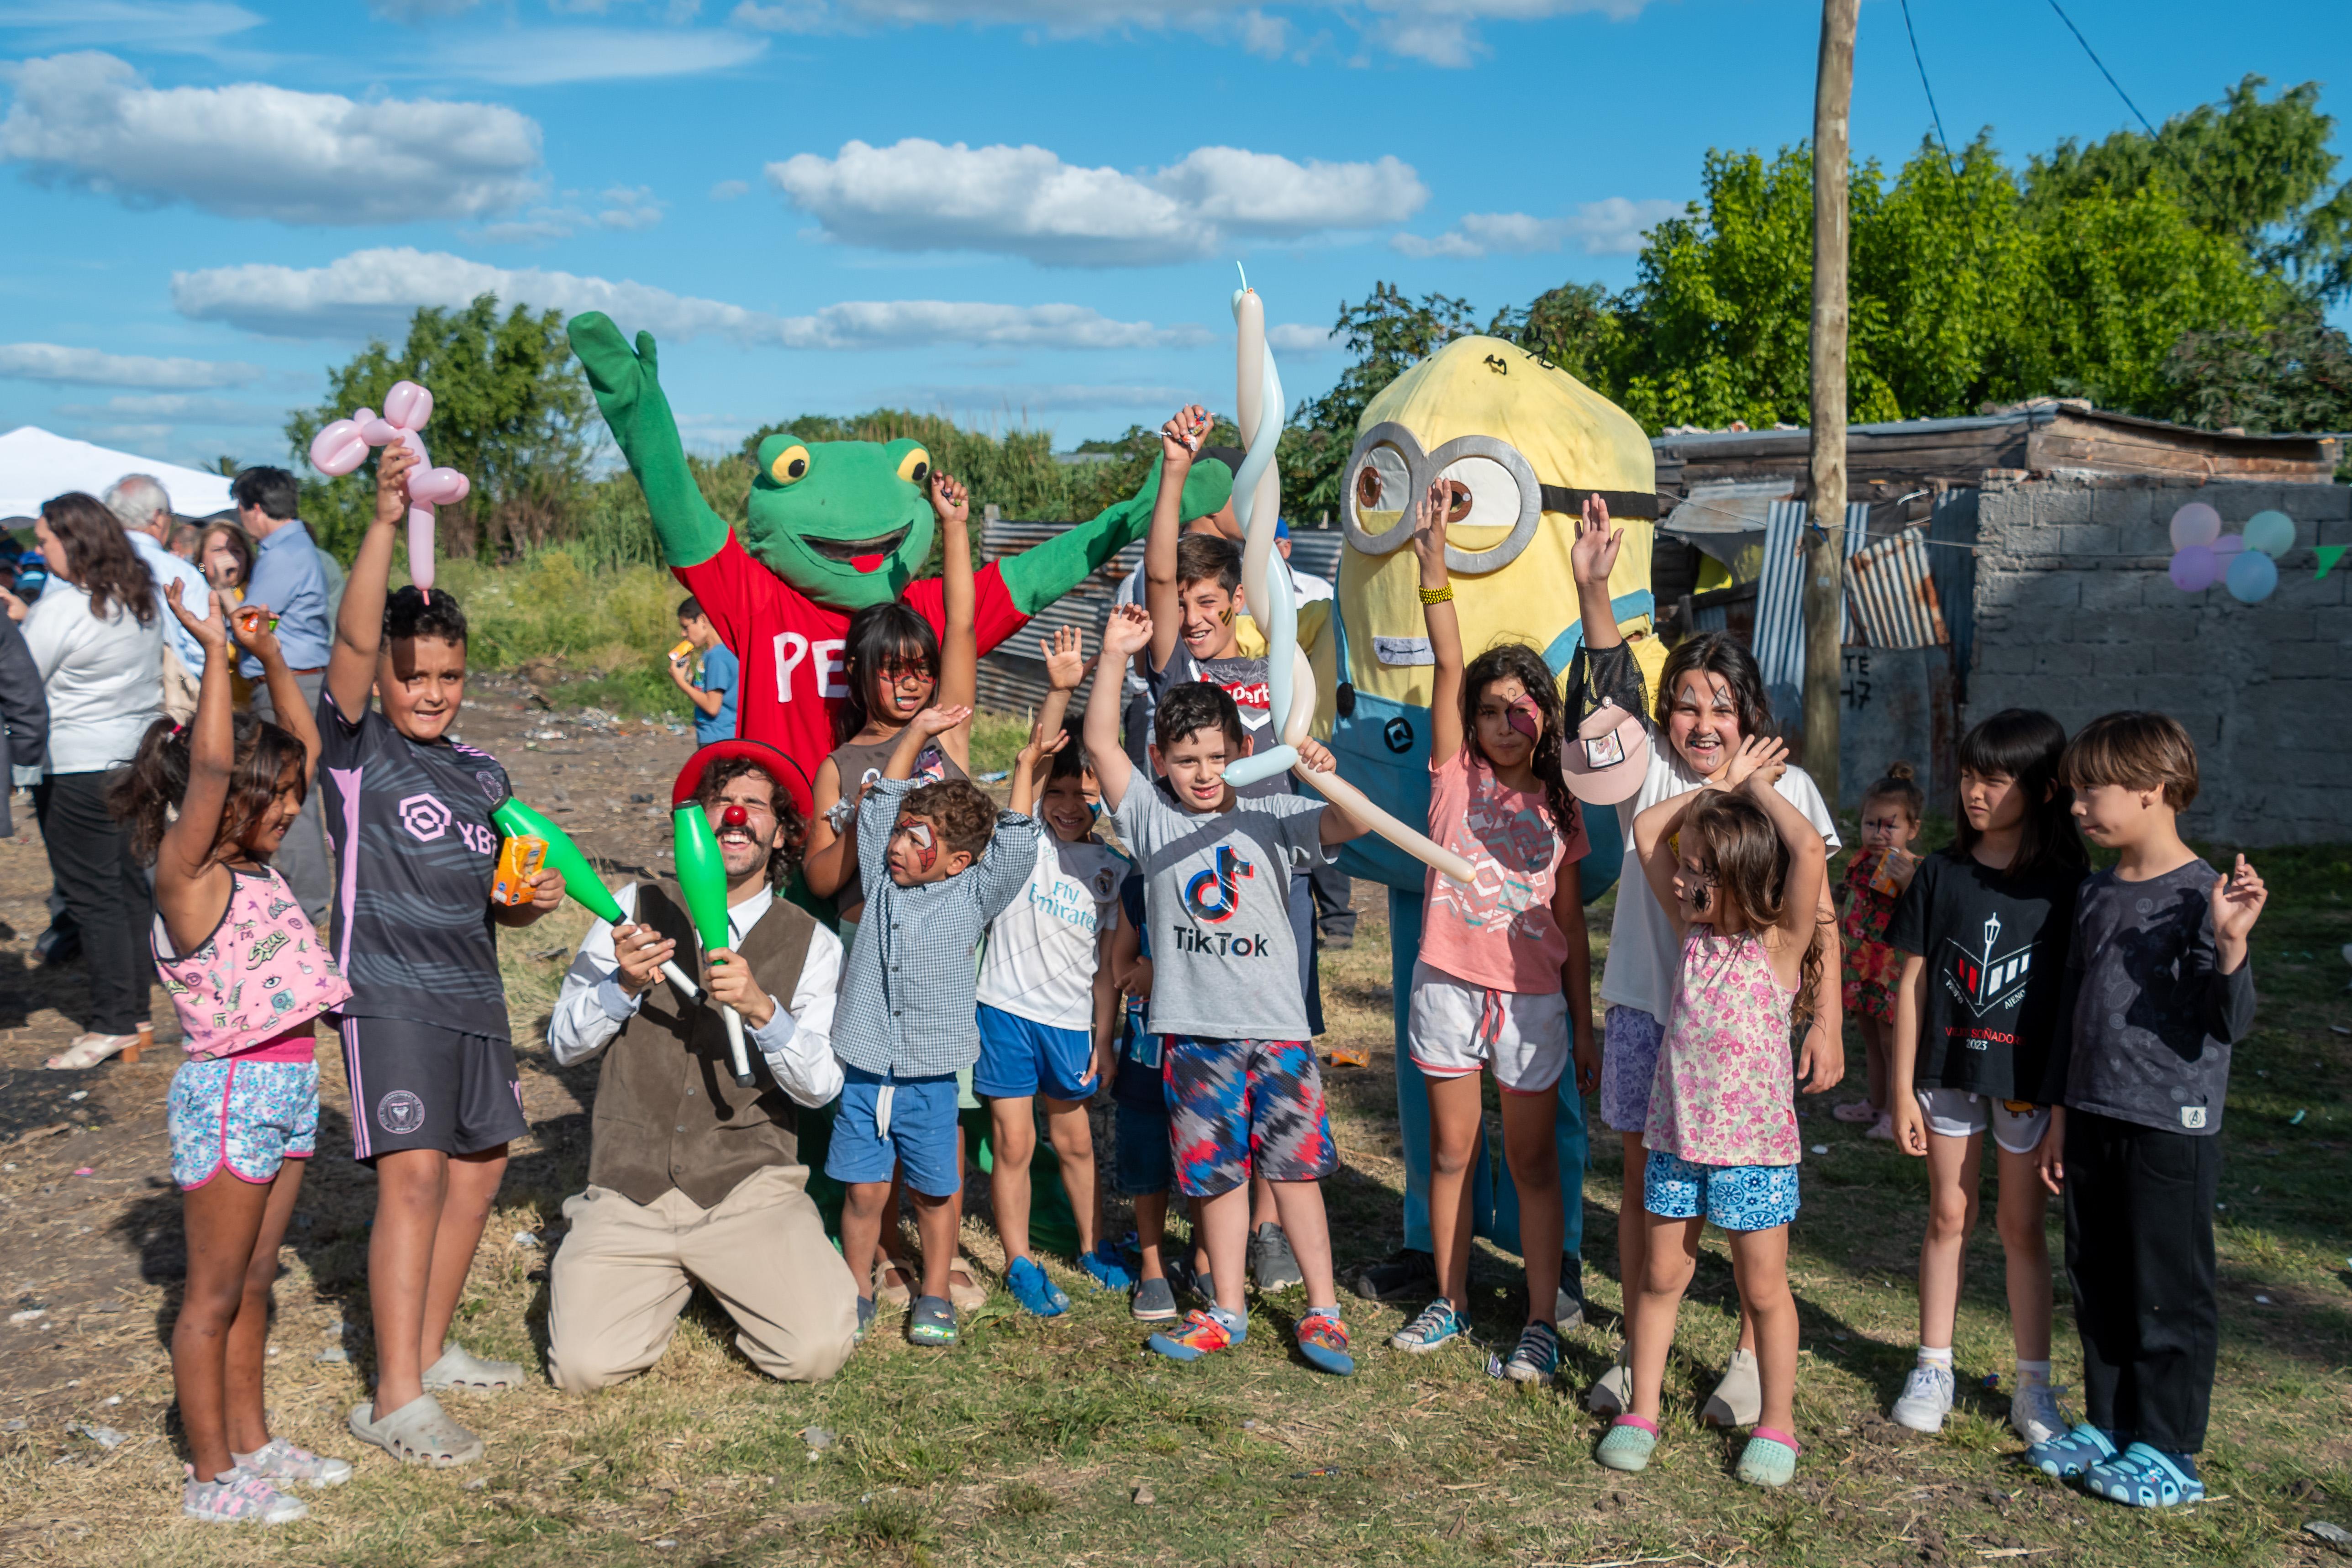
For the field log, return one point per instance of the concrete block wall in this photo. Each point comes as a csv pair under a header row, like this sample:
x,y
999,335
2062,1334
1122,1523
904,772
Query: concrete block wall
x,y
2075,615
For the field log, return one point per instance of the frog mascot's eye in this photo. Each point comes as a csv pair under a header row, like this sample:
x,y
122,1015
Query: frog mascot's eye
x,y
790,465
914,467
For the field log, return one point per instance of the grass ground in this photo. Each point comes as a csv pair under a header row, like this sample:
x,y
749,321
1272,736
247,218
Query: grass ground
x,y
1061,1442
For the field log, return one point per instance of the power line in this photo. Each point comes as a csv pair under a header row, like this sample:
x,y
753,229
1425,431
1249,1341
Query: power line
x,y
2101,64
1933,113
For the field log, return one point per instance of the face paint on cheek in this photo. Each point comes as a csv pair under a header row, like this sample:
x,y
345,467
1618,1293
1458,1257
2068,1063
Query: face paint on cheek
x,y
927,850
1525,718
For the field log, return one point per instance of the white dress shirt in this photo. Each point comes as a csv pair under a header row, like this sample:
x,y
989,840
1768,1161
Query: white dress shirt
x,y
196,593
796,1043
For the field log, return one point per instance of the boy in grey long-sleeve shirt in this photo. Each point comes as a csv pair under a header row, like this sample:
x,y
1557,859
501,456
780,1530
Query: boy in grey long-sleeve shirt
x,y
2158,990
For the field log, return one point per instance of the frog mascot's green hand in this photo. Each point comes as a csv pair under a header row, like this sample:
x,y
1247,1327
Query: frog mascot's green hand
x,y
832,527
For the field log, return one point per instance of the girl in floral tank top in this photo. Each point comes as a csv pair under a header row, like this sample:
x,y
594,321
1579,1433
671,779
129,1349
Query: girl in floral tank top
x,y
207,803
1739,870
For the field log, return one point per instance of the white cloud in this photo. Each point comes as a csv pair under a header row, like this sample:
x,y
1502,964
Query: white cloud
x,y
1613,227
1034,397
544,57
142,440
167,25
918,194
728,190
182,406
1291,338
373,293
630,208
251,150
89,367
1442,32
415,11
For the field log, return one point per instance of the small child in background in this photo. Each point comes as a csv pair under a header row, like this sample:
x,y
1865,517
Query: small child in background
x,y
1245,1093
1876,877
1983,935
207,803
939,863
2159,988
713,689
1503,980
1049,1008
1739,870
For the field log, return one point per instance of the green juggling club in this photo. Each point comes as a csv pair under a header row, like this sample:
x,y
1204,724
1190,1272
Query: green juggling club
x,y
702,878
580,878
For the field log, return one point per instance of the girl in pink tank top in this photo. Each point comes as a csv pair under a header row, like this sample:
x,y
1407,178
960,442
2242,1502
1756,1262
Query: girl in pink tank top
x,y
207,803
1739,870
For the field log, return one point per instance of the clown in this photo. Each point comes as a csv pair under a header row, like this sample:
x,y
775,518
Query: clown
x,y
1521,445
833,527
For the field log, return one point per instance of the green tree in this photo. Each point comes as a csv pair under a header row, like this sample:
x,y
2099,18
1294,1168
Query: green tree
x,y
1383,336
2295,374
511,410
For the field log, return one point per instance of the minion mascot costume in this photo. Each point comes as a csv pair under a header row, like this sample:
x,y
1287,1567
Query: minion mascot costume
x,y
1528,441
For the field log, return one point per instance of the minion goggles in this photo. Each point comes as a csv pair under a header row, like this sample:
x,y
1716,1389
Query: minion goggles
x,y
1492,485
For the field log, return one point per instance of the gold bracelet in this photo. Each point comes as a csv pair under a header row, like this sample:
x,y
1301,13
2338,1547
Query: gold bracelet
x,y
1437,596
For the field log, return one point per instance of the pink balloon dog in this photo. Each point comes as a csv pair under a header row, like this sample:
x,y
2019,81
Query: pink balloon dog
x,y
343,445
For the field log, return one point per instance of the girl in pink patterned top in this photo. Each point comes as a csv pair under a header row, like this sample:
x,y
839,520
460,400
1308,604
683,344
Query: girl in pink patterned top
x,y
207,803
1739,870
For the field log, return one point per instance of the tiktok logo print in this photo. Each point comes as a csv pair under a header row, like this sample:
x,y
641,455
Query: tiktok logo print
x,y
1214,895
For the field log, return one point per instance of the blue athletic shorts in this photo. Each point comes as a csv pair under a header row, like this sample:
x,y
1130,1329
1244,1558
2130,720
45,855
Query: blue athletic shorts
x,y
1020,1056
881,1123
1145,1163
1736,1197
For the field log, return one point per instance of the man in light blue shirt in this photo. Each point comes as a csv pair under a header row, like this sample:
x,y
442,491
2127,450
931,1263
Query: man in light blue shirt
x,y
141,504
290,577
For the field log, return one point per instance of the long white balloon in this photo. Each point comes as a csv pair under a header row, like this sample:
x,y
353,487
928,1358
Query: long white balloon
x,y
1273,597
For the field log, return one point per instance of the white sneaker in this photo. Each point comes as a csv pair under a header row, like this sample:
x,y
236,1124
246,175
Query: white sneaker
x,y
1927,1399
2034,1413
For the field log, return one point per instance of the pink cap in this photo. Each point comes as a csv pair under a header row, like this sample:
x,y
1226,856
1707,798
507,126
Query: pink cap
x,y
1609,758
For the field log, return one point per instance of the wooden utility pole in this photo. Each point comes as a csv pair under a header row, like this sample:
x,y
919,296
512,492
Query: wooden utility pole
x,y
1825,539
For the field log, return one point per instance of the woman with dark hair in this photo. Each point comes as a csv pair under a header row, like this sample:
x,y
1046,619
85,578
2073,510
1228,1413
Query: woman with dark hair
x,y
1710,700
226,554
97,639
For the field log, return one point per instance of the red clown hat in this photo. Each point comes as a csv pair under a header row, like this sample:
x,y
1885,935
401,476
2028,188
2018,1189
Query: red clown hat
x,y
780,767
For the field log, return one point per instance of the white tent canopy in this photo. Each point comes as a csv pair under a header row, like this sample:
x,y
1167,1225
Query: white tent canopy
x,y
36,466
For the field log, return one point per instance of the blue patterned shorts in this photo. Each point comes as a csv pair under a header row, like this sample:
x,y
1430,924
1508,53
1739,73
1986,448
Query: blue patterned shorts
x,y
1242,1108
1736,1197
1629,1061
246,1117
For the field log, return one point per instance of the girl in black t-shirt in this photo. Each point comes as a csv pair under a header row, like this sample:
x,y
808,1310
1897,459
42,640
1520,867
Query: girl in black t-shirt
x,y
1982,932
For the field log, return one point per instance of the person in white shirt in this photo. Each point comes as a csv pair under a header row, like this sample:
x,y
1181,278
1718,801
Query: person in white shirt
x,y
96,636
692,1178
144,509
1310,587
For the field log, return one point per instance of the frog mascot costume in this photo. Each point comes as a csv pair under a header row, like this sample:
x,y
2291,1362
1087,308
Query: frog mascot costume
x,y
1528,442
833,527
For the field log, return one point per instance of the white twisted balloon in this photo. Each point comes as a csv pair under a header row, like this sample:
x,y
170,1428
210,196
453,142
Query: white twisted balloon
x,y
1272,598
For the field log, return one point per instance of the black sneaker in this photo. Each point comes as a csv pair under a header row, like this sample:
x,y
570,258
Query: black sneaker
x,y
1406,1275
1569,1305
1272,1263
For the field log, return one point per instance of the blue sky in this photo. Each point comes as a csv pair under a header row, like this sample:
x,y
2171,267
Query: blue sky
x,y
1006,210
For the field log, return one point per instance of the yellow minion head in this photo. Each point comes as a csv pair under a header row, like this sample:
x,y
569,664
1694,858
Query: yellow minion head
x,y
1523,441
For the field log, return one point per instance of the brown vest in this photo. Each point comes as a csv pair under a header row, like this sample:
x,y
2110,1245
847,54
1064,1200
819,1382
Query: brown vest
x,y
668,1111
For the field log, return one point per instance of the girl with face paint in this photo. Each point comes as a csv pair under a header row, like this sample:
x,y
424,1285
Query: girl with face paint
x,y
1710,702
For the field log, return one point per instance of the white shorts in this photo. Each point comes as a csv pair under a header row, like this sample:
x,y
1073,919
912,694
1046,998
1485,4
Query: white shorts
x,y
1454,1028
2017,1125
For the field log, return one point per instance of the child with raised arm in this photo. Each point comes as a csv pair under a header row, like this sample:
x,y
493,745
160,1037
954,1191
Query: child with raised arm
x,y
939,863
1739,870
207,804
895,666
1982,935
435,1094
1244,1092
1504,976
1048,1004
2158,989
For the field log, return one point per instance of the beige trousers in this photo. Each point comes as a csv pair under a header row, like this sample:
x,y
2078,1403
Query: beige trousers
x,y
625,1270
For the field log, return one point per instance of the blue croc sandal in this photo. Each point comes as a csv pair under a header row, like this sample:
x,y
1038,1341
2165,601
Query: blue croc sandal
x,y
1628,1444
1107,1269
2070,1454
931,1322
2143,1477
1770,1459
1038,1296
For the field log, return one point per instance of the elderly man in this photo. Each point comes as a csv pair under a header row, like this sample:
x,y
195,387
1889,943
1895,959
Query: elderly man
x,y
692,1177
290,575
141,504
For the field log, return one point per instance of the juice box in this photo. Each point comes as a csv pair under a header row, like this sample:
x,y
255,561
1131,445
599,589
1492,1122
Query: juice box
x,y
520,859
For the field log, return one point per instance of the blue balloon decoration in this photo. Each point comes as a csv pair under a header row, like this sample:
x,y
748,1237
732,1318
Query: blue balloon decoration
x,y
2271,532
2252,576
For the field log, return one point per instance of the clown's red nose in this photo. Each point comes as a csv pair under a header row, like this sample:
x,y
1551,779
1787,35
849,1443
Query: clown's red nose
x,y
734,817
